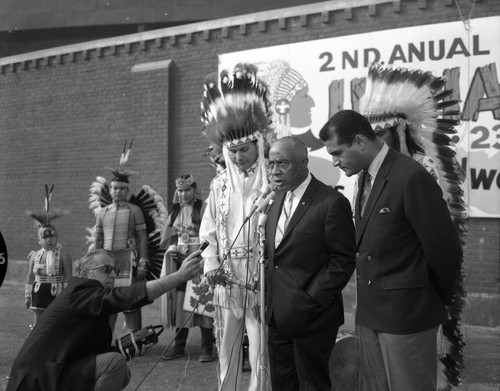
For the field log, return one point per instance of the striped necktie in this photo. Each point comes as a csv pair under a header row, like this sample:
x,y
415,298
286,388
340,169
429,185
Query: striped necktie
x,y
284,217
367,187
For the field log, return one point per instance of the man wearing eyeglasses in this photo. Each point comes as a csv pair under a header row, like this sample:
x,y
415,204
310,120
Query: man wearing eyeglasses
x,y
70,346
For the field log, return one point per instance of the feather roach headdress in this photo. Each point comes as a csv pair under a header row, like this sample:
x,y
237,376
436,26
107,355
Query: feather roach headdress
x,y
121,174
44,218
236,109
421,102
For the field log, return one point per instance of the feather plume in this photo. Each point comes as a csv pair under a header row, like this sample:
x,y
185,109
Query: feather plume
x,y
99,196
46,216
155,217
122,173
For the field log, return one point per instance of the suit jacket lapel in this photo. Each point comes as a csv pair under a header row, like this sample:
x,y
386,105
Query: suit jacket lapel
x,y
302,206
272,220
377,188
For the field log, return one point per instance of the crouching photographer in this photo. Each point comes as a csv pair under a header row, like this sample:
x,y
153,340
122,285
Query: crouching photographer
x,y
70,346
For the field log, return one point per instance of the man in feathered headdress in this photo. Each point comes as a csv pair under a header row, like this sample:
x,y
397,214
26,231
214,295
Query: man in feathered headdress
x,y
410,112
236,118
120,228
50,267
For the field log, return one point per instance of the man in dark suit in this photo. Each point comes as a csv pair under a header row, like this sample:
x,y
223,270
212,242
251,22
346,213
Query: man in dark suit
x,y
310,246
70,346
407,257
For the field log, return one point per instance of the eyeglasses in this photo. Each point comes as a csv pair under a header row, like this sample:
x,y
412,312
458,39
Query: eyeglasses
x,y
107,269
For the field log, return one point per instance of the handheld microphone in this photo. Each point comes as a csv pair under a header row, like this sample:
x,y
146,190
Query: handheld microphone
x,y
203,245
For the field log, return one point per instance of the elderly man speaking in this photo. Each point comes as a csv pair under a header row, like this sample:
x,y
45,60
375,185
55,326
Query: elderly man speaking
x,y
70,347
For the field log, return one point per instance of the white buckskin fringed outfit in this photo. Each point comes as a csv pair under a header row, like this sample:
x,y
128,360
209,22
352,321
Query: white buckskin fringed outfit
x,y
241,117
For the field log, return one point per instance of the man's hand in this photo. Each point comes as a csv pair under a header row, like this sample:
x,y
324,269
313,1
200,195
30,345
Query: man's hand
x,y
191,266
27,302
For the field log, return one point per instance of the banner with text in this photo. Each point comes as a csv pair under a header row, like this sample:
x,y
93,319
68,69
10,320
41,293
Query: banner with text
x,y
310,81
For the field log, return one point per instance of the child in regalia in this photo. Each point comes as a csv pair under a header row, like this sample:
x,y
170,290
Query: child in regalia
x,y
49,267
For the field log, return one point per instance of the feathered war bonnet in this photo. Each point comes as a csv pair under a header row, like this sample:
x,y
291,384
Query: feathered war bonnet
x,y
417,99
43,220
236,110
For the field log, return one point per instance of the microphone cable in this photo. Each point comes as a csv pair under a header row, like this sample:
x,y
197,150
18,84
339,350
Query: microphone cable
x,y
210,281
241,331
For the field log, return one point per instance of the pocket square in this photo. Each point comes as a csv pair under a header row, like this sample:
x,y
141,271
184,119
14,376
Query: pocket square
x,y
385,211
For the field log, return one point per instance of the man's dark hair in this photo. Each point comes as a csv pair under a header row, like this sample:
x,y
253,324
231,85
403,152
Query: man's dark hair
x,y
346,124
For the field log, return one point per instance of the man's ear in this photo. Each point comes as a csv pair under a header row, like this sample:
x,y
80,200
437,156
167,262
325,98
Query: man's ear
x,y
360,141
305,163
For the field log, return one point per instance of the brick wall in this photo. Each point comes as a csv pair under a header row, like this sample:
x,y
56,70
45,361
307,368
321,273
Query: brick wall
x,y
482,253
482,271
63,118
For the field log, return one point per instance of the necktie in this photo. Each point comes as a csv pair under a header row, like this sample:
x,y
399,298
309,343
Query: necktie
x,y
367,187
284,217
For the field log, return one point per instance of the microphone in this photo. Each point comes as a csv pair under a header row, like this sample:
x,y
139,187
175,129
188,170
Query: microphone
x,y
260,202
269,205
203,245
265,210
266,204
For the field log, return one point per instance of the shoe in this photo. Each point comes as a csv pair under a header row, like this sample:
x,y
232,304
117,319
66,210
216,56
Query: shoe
x,y
207,355
173,353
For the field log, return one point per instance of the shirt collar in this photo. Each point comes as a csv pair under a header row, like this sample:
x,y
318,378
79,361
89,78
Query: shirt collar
x,y
377,162
299,191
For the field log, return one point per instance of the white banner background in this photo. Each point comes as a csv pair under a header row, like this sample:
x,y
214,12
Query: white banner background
x,y
472,52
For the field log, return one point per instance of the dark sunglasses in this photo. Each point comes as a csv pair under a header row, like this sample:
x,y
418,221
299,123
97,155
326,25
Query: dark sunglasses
x,y
107,269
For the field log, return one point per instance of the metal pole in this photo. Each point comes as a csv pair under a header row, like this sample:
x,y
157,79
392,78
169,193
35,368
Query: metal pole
x,y
263,342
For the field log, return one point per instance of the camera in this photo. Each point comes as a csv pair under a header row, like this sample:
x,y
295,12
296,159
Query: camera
x,y
138,341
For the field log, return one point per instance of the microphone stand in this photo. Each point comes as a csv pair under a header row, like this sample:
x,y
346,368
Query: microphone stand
x,y
263,343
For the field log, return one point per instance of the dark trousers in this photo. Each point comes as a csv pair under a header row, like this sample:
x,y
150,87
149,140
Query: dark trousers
x,y
390,362
207,337
300,364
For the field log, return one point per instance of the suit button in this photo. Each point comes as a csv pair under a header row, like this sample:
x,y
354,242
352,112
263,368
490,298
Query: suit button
x,y
357,276
369,282
357,255
276,267
369,258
